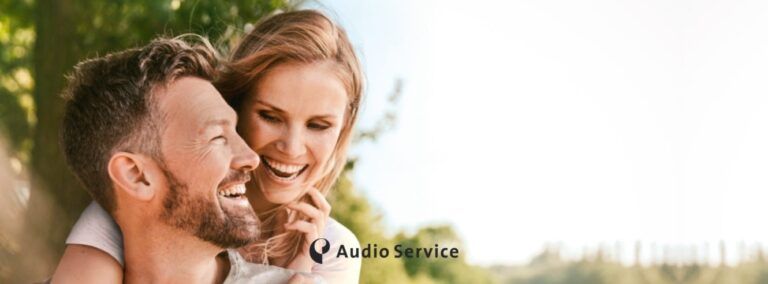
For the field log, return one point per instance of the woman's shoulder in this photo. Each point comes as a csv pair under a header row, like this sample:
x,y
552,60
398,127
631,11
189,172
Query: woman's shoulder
x,y
336,268
338,234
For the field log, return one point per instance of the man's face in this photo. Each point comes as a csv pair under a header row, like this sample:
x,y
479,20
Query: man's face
x,y
206,165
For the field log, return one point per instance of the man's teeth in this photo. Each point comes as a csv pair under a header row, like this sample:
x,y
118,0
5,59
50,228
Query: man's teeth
x,y
284,168
238,189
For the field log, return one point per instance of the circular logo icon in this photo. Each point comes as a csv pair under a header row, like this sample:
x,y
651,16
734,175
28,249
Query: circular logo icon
x,y
318,256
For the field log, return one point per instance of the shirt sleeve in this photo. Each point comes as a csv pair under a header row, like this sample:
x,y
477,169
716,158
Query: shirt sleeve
x,y
96,228
339,269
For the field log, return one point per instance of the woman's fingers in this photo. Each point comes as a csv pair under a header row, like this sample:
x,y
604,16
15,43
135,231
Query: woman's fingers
x,y
320,200
308,210
305,227
318,214
317,218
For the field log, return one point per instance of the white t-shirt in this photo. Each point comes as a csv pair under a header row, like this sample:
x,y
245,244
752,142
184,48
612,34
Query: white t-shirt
x,y
96,228
241,271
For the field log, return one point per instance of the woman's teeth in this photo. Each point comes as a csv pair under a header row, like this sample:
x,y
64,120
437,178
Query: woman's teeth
x,y
282,171
233,191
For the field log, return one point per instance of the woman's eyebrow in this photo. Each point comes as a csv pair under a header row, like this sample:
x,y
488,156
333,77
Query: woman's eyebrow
x,y
277,109
324,116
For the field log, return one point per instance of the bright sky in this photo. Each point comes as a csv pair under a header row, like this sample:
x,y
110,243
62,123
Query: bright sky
x,y
528,122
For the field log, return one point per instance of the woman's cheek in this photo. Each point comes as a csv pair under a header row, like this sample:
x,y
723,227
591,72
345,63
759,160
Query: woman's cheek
x,y
325,143
263,133
248,129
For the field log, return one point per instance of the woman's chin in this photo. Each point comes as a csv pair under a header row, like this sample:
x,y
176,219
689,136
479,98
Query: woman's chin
x,y
281,195
279,191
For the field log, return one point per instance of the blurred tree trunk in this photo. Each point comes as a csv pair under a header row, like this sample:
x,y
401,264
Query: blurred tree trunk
x,y
56,197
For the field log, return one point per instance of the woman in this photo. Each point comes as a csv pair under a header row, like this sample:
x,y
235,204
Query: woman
x,y
296,84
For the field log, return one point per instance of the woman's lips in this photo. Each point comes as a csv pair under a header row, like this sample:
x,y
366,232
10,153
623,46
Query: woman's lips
x,y
282,172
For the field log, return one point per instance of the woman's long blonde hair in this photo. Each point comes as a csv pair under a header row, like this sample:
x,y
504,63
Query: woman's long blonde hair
x,y
305,37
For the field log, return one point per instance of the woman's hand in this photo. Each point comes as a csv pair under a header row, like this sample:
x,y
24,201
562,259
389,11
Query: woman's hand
x,y
312,229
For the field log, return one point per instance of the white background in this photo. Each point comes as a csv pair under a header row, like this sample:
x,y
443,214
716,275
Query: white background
x,y
524,123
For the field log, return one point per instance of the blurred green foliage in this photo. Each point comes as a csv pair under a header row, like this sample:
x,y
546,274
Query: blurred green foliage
x,y
16,38
98,27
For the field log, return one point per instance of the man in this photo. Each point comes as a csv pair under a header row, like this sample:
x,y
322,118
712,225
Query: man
x,y
155,145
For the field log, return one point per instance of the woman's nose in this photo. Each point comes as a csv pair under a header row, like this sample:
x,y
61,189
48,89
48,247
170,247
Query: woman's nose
x,y
291,143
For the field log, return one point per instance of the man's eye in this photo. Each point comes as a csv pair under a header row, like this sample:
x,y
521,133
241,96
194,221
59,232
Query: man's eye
x,y
219,139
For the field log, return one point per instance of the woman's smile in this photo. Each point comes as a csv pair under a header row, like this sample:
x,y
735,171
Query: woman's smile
x,y
283,173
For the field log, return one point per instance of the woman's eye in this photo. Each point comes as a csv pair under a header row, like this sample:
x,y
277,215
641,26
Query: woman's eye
x,y
268,118
219,139
318,126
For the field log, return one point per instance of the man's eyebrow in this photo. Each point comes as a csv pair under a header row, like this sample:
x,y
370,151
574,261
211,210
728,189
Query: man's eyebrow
x,y
220,121
216,122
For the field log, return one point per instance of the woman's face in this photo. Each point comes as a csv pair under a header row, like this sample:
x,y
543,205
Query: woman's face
x,y
292,119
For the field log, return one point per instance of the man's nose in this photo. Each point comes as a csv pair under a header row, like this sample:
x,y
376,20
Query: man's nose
x,y
245,159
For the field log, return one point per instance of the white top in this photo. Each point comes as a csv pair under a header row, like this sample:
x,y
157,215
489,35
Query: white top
x,y
241,271
96,228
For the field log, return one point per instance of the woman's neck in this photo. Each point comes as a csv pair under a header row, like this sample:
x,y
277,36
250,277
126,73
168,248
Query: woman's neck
x,y
259,203
272,220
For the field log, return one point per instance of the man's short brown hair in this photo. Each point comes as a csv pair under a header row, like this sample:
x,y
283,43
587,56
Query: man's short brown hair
x,y
110,106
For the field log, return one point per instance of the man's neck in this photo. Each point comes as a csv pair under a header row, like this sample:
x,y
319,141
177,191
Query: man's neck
x,y
160,254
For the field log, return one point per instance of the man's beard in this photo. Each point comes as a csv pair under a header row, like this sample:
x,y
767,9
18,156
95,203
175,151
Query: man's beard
x,y
199,216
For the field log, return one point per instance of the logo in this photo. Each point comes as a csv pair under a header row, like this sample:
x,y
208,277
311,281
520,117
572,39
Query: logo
x,y
400,251
318,256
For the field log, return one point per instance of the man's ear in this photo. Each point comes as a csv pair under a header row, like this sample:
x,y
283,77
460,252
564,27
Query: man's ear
x,y
132,175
